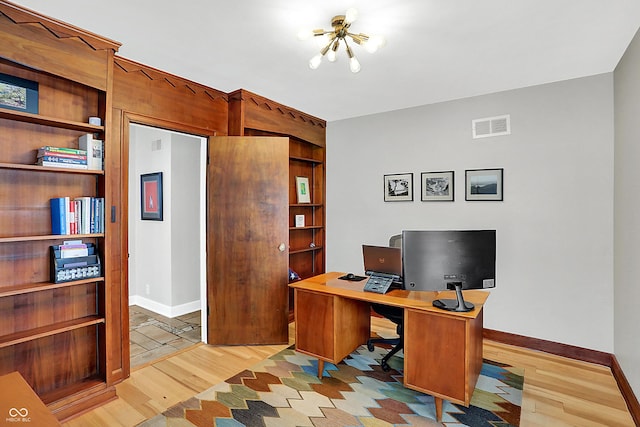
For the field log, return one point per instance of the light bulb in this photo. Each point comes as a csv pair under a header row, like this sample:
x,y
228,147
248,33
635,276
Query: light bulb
x,y
315,61
354,64
351,15
305,34
321,40
373,44
331,56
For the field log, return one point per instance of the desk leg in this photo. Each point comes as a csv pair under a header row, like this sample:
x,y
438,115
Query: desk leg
x,y
321,370
438,409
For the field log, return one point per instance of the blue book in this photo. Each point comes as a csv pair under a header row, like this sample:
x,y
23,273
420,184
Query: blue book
x,y
59,216
66,160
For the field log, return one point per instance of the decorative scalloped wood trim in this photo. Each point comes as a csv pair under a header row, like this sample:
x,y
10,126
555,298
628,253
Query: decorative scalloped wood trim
x,y
267,104
152,74
23,16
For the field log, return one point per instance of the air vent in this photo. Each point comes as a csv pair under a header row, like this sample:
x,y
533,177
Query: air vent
x,y
491,126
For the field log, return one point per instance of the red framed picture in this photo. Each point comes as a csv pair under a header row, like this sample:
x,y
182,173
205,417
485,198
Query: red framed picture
x,y
151,196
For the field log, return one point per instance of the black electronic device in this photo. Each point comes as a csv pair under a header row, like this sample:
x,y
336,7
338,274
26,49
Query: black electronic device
x,y
453,259
380,282
352,277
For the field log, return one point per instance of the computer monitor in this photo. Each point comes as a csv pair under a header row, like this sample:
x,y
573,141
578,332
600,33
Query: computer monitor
x,y
453,259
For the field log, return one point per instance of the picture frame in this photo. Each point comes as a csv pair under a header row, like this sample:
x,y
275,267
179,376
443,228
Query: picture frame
x,y
151,196
18,94
437,186
303,192
398,187
484,184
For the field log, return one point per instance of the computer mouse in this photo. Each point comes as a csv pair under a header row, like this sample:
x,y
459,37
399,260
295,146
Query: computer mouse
x,y
351,276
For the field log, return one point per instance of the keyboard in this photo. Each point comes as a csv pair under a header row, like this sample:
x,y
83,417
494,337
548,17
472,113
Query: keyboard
x,y
380,282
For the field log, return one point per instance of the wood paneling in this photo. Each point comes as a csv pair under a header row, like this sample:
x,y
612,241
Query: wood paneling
x,y
266,115
53,334
145,91
44,43
247,239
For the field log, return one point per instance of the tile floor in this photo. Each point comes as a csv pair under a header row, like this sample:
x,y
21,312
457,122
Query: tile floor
x,y
153,336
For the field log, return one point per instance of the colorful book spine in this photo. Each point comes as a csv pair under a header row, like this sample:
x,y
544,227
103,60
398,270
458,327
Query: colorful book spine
x,y
41,162
63,150
67,160
45,153
58,216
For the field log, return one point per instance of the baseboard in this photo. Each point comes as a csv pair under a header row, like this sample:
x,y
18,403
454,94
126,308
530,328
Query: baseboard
x,y
163,309
577,353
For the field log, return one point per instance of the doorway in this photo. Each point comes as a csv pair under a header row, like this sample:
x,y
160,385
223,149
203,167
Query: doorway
x,y
167,258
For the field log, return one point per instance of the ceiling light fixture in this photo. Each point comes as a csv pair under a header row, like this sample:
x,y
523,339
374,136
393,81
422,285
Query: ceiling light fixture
x,y
332,39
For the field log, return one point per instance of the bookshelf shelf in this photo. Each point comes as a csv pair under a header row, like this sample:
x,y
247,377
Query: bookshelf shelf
x,y
301,251
44,286
49,121
305,159
45,331
37,168
13,239
306,205
309,227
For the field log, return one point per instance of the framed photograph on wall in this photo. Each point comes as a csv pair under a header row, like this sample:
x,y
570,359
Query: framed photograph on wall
x,y
437,186
302,189
18,94
483,184
151,196
398,187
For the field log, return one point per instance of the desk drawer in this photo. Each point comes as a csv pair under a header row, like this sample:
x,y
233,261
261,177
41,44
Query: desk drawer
x,y
330,327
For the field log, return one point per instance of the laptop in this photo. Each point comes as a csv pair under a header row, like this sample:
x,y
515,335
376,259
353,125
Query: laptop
x,y
383,265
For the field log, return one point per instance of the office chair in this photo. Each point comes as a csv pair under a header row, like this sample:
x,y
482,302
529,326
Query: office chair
x,y
395,314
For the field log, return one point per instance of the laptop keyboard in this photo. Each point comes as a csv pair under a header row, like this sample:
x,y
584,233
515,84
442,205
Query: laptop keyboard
x,y
380,283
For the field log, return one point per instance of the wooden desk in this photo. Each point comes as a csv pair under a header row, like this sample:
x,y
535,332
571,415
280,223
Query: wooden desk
x,y
442,349
21,406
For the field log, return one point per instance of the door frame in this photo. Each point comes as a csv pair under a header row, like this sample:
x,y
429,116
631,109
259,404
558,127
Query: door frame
x,y
128,118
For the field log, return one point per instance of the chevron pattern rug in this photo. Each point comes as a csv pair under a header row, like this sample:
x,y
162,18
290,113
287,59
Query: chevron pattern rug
x,y
284,390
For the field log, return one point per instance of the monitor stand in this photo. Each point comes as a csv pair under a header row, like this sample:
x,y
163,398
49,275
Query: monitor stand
x,y
458,304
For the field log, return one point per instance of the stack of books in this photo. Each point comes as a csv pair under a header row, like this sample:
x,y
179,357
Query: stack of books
x,y
59,157
82,215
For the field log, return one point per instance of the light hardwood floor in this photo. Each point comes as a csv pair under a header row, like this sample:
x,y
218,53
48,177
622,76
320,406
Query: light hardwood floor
x,y
557,391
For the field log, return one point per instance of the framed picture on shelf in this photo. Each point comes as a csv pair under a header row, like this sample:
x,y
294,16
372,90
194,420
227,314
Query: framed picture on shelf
x,y
151,196
302,189
437,186
18,94
398,187
483,184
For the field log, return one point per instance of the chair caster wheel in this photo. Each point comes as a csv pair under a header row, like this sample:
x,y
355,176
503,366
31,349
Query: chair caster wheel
x,y
370,346
385,367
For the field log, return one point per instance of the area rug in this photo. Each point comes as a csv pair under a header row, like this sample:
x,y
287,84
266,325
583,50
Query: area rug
x,y
284,390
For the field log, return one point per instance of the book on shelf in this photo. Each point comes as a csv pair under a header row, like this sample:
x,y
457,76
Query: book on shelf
x,y
94,148
47,153
61,150
60,164
81,215
59,215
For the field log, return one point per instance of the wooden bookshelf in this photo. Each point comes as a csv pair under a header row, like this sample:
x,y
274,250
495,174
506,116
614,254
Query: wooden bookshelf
x,y
53,334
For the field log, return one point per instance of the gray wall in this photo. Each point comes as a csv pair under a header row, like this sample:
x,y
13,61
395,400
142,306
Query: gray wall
x,y
627,213
554,227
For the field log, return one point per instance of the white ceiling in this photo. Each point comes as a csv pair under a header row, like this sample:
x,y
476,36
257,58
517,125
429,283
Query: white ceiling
x,y
436,50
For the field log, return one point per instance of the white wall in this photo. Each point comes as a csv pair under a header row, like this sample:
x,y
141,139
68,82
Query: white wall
x,y
165,257
185,220
554,227
627,214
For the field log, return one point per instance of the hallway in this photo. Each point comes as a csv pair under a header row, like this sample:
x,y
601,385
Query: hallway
x,y
153,336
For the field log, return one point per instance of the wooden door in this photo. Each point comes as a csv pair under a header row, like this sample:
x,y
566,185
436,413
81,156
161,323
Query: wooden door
x,y
247,240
